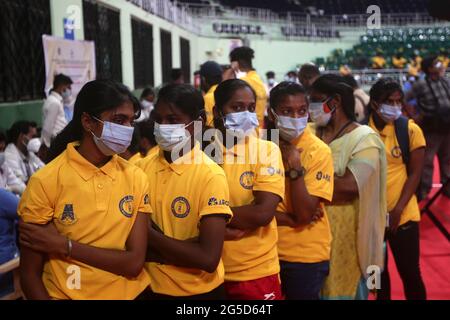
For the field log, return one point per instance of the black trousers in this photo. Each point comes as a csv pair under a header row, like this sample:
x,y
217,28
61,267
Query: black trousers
x,y
216,294
405,249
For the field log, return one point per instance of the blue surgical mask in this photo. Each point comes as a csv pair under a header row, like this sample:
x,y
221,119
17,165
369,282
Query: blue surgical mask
x,y
240,123
66,94
290,128
389,113
169,136
115,138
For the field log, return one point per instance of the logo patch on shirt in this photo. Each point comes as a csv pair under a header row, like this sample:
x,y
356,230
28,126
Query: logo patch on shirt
x,y
180,207
213,202
396,152
68,215
320,176
126,206
246,180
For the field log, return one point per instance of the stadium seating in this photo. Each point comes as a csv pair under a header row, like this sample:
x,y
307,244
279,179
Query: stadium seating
x,y
421,41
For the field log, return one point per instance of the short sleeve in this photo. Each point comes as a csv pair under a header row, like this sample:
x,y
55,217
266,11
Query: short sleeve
x,y
142,192
270,172
35,205
216,197
319,177
416,137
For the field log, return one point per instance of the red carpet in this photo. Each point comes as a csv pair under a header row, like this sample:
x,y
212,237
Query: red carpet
x,y
434,255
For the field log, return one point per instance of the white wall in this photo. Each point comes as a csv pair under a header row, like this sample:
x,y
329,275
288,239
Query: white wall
x,y
277,55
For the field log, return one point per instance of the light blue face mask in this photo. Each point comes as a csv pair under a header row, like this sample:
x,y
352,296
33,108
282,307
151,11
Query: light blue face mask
x,y
169,136
290,128
390,113
115,138
239,124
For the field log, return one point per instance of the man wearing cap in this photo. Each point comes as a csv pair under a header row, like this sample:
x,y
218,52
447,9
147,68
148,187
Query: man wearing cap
x,y
211,76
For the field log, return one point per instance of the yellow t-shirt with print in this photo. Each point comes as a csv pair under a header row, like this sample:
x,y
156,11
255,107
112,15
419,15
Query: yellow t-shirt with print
x,y
93,206
253,79
209,104
396,170
253,165
311,243
181,194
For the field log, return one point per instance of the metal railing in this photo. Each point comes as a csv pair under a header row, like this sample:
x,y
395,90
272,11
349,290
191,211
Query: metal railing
x,y
203,11
367,77
178,15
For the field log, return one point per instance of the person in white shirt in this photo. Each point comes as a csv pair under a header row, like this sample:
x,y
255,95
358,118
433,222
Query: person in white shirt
x,y
271,82
147,98
54,117
8,180
17,158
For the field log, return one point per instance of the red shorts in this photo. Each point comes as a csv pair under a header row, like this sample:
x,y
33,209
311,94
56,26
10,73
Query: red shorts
x,y
267,288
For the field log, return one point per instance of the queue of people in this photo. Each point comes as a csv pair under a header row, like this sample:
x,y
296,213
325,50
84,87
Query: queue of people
x,y
185,196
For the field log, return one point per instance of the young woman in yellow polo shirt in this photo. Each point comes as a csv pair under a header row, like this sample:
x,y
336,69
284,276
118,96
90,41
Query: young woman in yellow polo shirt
x,y
304,235
190,201
83,233
255,175
386,100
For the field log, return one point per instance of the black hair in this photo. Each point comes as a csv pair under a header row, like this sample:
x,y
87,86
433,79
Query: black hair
x,y
427,63
175,74
2,136
331,84
147,92
309,71
283,89
184,97
350,80
270,74
146,130
16,129
61,80
383,88
244,55
134,144
94,98
226,89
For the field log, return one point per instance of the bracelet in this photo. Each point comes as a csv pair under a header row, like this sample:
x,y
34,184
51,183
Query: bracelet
x,y
69,247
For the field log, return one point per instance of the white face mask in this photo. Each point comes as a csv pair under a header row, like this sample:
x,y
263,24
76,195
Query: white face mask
x,y
240,123
169,136
389,113
318,115
271,82
240,74
34,145
147,105
290,128
115,138
2,158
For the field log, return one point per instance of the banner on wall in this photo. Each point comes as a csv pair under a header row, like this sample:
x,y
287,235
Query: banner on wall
x,y
74,58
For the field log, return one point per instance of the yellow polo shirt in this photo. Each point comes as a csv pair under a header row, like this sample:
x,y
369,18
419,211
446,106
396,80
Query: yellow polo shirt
x,y
209,104
135,158
254,256
311,243
253,79
93,206
180,195
396,170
